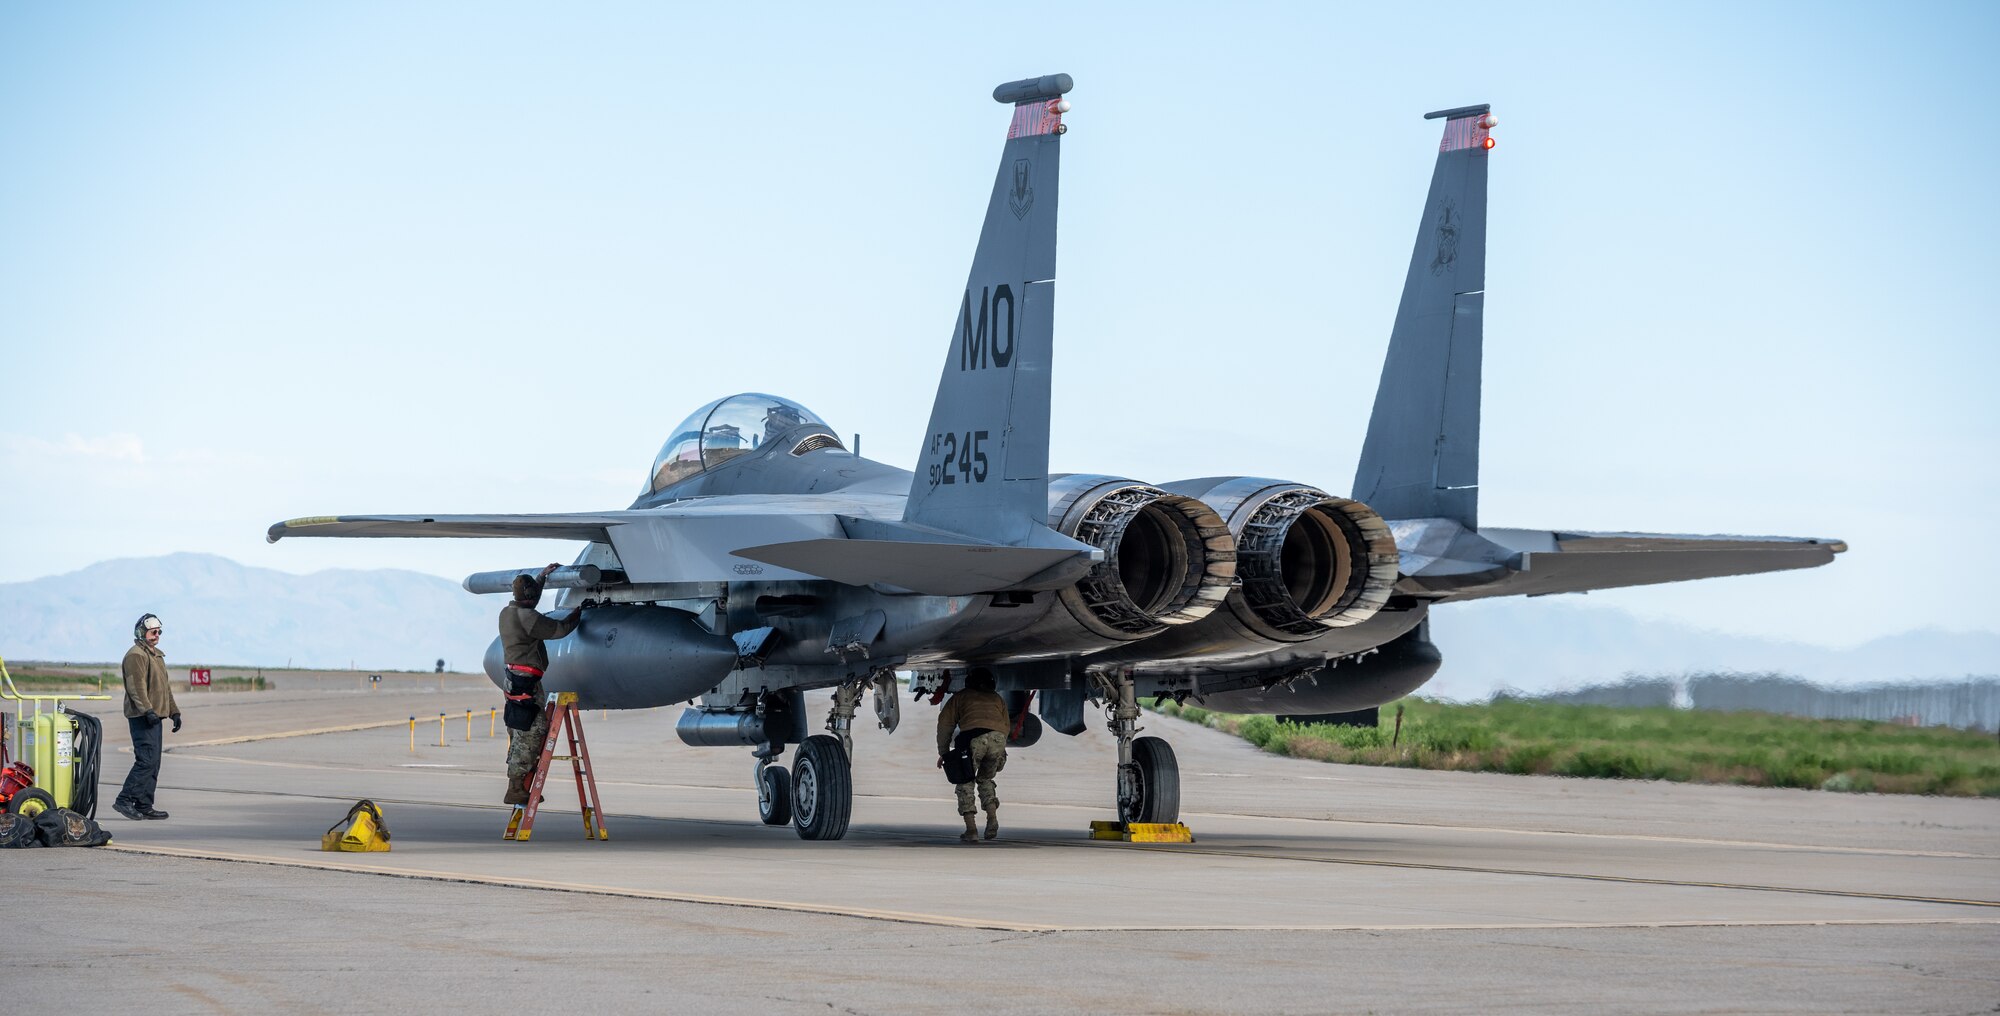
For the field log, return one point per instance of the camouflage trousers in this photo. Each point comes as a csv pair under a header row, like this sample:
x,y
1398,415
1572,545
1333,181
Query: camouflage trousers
x,y
989,756
524,747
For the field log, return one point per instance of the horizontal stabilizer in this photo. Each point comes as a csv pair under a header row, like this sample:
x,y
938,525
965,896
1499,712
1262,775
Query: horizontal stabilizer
x,y
1543,561
935,569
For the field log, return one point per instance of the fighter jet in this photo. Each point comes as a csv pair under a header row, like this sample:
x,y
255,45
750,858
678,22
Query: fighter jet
x,y
763,559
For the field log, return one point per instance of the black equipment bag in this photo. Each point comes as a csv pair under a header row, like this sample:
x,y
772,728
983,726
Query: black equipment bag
x,y
61,827
958,766
18,831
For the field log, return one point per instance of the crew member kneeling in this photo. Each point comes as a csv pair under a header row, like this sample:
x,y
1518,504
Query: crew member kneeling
x,y
523,629
979,715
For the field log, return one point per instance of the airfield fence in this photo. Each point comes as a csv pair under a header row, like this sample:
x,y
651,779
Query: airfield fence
x,y
1971,703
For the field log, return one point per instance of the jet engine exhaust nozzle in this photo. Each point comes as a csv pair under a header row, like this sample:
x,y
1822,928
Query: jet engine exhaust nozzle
x,y
1311,561
1168,559
1308,562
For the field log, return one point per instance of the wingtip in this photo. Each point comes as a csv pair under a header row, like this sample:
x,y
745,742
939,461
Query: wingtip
x,y
278,530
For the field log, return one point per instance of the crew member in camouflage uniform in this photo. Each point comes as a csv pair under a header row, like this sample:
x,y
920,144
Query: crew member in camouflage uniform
x,y
523,629
149,695
979,715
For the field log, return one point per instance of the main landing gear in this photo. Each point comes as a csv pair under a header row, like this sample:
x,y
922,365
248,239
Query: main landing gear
x,y
816,796
1149,778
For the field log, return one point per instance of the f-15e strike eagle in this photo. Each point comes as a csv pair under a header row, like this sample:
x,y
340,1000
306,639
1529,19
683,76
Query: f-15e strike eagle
x,y
764,559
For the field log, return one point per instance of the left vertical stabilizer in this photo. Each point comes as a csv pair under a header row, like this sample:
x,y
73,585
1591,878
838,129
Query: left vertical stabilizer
x,y
984,464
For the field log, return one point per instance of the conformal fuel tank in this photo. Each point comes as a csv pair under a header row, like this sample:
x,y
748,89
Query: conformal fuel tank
x,y
631,656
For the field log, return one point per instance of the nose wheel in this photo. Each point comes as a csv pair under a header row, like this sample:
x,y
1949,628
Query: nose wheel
x,y
774,793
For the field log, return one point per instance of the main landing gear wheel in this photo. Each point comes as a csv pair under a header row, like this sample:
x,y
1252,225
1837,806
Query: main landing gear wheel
x,y
1156,782
822,789
774,796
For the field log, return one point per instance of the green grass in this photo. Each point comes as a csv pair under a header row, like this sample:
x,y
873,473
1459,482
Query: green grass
x,y
1757,749
33,682
43,682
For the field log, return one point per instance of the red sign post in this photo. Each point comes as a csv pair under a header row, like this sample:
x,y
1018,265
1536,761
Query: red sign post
x,y
197,677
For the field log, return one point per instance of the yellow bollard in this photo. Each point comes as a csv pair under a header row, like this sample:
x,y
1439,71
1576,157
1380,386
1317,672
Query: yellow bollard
x,y
491,715
468,724
441,743
413,735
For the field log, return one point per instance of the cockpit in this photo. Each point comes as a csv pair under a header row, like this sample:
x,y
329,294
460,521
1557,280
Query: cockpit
x,y
735,426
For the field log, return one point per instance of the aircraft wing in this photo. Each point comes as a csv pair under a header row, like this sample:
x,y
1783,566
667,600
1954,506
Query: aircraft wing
x,y
735,545
590,526
1540,562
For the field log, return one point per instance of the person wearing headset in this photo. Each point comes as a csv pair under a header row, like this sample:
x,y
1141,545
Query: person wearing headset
x,y
148,697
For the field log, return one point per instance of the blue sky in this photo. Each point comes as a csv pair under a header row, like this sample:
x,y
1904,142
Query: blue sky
x,y
263,261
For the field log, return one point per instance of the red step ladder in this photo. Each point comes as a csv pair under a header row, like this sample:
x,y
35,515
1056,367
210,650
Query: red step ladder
x,y
563,719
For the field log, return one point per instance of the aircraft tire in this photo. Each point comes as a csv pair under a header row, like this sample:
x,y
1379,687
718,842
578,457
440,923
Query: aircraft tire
x,y
1159,780
822,789
774,804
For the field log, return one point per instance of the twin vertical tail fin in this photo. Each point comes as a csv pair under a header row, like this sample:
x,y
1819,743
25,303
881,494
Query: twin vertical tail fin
x,y
1421,457
983,469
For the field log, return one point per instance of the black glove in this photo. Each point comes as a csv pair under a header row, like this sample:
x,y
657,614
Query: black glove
x,y
177,722
152,718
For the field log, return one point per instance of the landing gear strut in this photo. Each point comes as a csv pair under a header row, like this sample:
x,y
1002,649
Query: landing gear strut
x,y
846,699
1149,778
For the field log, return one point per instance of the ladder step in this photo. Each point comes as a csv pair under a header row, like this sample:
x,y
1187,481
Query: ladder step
x,y
565,718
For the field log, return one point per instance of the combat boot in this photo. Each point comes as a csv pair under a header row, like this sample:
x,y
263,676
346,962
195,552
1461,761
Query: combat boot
x,y
992,821
517,790
971,834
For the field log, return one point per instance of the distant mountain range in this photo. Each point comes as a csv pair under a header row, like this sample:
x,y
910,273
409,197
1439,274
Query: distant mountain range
x,y
220,612
1545,643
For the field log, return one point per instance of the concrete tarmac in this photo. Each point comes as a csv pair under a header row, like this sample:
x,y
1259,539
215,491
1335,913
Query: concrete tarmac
x,y
1312,887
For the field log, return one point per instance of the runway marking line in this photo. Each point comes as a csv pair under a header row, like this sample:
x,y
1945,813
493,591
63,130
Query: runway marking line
x,y
898,916
941,920
1529,873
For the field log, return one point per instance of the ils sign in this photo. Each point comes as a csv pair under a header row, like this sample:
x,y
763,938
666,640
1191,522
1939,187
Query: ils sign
x,y
198,677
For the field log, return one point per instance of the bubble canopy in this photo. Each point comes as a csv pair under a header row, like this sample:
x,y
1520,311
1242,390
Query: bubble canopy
x,y
727,428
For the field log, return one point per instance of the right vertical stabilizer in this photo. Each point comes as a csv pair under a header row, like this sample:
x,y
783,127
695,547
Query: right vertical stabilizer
x,y
1421,457
983,468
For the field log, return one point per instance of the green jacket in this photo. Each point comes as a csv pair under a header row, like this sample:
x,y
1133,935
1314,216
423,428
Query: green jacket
x,y
147,689
522,631
971,710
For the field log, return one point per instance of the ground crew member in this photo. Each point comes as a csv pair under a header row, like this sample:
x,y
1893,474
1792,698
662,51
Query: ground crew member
x,y
148,696
979,715
523,629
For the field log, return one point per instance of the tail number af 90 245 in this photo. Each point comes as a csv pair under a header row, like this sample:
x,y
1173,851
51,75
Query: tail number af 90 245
x,y
958,458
